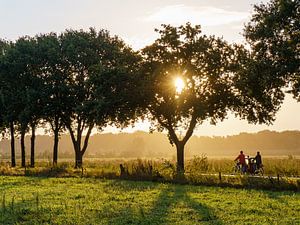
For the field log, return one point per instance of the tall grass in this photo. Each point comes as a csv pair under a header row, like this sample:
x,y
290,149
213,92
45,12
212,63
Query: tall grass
x,y
199,170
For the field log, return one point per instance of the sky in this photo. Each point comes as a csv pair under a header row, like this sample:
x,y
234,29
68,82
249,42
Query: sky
x,y
135,21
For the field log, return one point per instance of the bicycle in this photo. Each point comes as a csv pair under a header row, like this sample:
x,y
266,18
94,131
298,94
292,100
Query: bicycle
x,y
253,168
250,168
238,168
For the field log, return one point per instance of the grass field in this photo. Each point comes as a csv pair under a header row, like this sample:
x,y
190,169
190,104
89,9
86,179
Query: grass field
x,y
280,174
32,200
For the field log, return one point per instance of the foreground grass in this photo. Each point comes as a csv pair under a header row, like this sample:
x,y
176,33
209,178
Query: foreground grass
x,y
31,200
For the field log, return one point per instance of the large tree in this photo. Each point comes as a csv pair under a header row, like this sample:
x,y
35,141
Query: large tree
x,y
30,90
274,37
9,94
93,64
55,90
22,90
188,78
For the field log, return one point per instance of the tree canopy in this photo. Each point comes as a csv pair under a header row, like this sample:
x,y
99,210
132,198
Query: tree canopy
x,y
205,68
74,80
79,80
274,36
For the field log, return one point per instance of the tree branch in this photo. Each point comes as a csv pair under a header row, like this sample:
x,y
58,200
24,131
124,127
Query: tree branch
x,y
86,140
191,128
169,127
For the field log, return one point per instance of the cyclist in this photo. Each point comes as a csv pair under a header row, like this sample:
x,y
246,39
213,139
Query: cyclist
x,y
241,160
258,160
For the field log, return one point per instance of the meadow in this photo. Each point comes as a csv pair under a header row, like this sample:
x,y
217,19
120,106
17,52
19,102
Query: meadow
x,y
280,174
40,200
283,166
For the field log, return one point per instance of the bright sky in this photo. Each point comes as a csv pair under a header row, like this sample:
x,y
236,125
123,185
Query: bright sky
x,y
134,21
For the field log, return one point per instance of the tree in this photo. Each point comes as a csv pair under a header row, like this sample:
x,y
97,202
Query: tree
x,y
95,72
3,46
22,90
188,78
55,91
274,36
31,89
10,94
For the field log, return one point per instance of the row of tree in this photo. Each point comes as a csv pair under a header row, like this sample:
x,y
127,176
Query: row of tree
x,y
71,82
79,80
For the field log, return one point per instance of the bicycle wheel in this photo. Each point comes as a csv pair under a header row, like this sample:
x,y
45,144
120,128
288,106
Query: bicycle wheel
x,y
261,171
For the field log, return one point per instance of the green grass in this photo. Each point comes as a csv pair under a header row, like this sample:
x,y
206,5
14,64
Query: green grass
x,y
32,200
198,171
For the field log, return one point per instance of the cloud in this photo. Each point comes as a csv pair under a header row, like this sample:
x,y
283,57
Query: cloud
x,y
139,42
205,16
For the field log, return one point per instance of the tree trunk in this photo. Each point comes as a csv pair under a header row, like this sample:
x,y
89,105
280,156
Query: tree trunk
x,y
180,158
78,159
23,162
12,145
77,143
32,139
55,146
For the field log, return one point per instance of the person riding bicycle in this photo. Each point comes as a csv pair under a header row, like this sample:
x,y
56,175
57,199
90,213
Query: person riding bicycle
x,y
252,167
258,160
242,161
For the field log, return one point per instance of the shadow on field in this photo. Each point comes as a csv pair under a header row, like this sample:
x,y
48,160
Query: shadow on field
x,y
279,196
175,199
172,204
16,210
269,183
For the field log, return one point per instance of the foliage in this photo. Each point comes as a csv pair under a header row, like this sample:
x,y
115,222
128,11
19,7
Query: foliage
x,y
75,81
214,83
204,63
21,88
274,36
198,164
55,90
97,72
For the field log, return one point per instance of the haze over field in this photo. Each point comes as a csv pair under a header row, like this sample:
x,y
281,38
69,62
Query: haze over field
x,y
134,21
142,144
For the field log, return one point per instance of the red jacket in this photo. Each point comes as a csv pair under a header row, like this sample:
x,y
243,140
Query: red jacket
x,y
241,159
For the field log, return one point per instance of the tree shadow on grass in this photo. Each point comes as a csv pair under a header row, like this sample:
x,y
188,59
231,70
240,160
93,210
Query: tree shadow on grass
x,y
187,209
14,210
281,196
173,205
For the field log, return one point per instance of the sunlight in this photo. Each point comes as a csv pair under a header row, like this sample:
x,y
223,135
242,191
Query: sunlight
x,y
179,85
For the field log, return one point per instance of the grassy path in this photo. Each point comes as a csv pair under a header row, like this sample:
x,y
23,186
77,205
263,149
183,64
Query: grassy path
x,y
27,200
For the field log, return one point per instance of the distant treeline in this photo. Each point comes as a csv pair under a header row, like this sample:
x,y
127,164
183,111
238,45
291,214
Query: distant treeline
x,y
143,144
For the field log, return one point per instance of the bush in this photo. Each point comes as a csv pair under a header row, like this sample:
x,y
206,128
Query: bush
x,y
198,164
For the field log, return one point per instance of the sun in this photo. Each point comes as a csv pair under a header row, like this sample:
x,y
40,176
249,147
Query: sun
x,y
179,85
